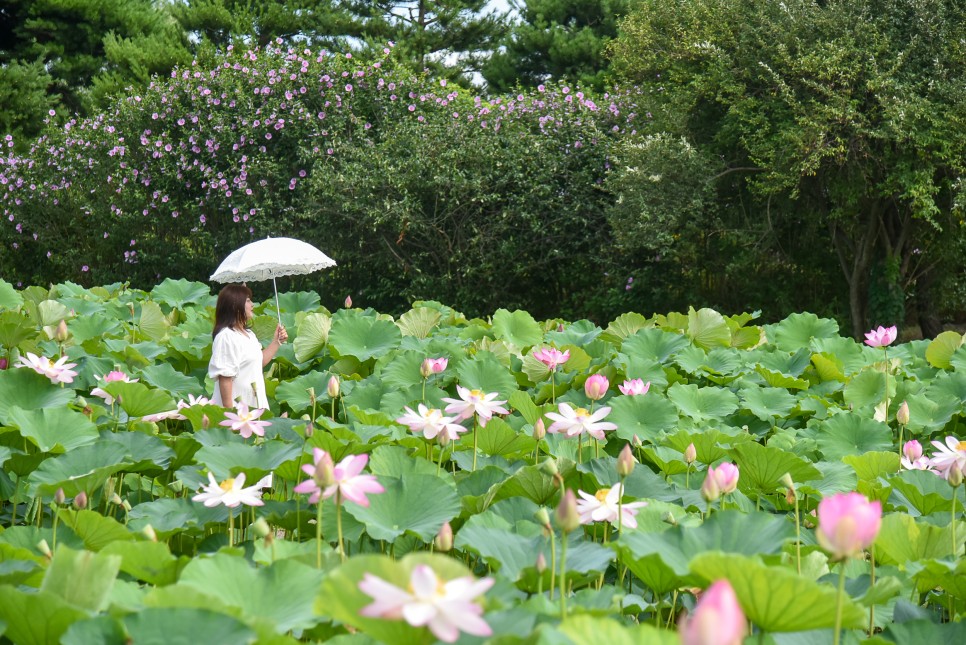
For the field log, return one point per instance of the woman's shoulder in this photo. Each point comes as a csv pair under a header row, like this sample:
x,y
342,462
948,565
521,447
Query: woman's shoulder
x,y
230,335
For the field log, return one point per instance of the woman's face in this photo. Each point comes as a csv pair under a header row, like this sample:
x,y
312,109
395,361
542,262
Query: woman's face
x,y
248,308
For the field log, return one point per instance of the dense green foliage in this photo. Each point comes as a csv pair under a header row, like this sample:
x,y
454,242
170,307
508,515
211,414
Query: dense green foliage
x,y
840,124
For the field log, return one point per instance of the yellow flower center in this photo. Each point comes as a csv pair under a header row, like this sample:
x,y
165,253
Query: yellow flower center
x,y
477,394
961,446
581,412
227,485
601,495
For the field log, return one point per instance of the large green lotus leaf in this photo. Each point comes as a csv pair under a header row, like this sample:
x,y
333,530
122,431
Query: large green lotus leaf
x,y
923,491
654,344
83,469
852,434
283,592
295,301
313,335
775,599
49,313
418,322
623,327
594,630
101,630
36,618
787,363
837,477
580,333
866,389
164,377
342,599
829,367
14,329
9,298
81,578
799,329
150,562
417,504
926,631
773,378
948,574
523,403
171,515
931,410
402,371
295,393
767,403
137,399
178,293
703,403
647,416
84,328
152,324
707,328
500,546
229,459
483,372
529,482
872,465
902,539
363,337
395,461
53,429
498,438
761,467
942,347
24,388
186,626
96,530
848,354
145,451
517,328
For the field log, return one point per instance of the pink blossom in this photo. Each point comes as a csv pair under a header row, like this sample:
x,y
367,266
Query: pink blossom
x,y
445,607
575,421
475,402
726,477
603,507
346,478
595,387
111,377
847,524
717,619
232,492
431,422
881,336
551,357
634,387
58,372
245,421
951,454
431,366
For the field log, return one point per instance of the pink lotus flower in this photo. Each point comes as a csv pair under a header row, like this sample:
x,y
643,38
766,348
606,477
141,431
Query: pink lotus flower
x,y
575,421
322,472
603,507
912,457
551,357
726,477
432,366
346,479
232,492
595,387
58,372
475,402
717,619
111,377
690,454
193,401
634,387
881,336
431,422
245,421
445,607
952,453
847,524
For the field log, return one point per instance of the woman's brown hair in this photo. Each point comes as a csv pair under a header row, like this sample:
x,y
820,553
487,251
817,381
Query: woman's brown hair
x,y
230,308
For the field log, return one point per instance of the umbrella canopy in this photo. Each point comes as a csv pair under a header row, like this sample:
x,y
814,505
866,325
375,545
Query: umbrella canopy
x,y
271,258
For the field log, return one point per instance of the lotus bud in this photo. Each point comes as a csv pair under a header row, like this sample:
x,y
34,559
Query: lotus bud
x,y
3,363
88,411
690,454
787,481
62,334
542,517
541,564
44,549
912,450
568,519
126,505
309,430
311,392
595,387
549,466
348,302
148,532
539,430
790,496
954,476
902,414
727,476
333,387
80,502
444,539
205,422
668,518
261,527
325,471
442,439
625,461
709,489
426,368
59,497
636,441
116,499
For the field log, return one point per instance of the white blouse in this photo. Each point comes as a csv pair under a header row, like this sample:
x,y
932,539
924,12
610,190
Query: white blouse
x,y
238,356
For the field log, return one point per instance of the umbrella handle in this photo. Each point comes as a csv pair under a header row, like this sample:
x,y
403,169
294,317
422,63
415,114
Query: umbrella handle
x,y
277,311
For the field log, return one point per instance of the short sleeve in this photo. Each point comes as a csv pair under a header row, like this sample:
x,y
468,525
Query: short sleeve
x,y
225,355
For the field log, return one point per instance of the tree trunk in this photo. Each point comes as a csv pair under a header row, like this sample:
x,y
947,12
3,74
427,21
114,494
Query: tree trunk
x,y
929,323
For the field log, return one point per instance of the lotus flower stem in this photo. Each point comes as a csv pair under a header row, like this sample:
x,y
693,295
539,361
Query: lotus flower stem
x,y
837,634
231,527
53,511
798,538
318,534
596,449
553,388
553,564
580,448
871,586
563,578
674,602
952,527
338,521
439,464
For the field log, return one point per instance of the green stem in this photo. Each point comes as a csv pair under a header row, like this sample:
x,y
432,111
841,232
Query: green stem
x,y
231,527
837,635
563,578
318,533
553,563
871,586
580,448
338,521
952,526
798,538
439,464
53,509
553,388
475,424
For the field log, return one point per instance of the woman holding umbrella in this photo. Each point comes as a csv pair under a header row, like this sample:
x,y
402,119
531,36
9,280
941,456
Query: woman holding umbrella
x,y
237,357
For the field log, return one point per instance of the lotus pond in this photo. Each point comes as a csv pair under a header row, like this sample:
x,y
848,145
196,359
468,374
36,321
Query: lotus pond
x,y
508,480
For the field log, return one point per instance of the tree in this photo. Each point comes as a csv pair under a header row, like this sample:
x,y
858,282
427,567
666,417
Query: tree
x,y
560,39
849,114
449,37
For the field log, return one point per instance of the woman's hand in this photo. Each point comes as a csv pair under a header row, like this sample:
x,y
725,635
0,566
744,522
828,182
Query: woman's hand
x,y
280,334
